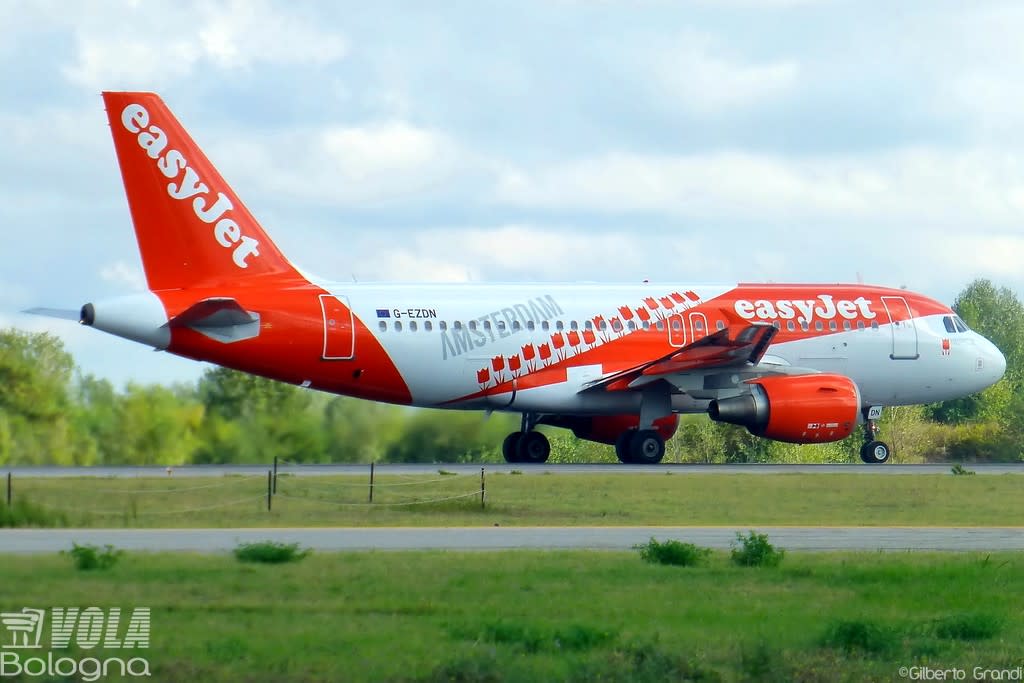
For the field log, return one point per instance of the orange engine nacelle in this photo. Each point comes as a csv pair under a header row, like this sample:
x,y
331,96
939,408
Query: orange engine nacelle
x,y
607,428
797,409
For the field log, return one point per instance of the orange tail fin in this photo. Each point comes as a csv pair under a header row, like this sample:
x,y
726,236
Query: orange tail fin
x,y
192,229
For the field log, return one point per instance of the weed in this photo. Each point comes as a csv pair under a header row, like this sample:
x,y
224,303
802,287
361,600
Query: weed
x,y
673,552
754,550
960,470
24,513
967,627
859,636
89,557
533,639
643,663
270,552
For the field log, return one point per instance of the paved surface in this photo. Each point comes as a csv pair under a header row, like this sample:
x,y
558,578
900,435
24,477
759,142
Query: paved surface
x,y
405,470
500,538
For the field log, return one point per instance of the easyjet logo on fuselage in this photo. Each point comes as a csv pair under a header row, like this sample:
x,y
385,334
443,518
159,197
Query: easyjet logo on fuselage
x,y
152,138
825,307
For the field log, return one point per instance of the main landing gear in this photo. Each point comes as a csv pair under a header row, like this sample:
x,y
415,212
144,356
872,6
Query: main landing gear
x,y
640,447
873,452
526,446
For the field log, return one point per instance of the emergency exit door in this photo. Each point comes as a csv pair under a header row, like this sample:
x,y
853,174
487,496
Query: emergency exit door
x,y
904,333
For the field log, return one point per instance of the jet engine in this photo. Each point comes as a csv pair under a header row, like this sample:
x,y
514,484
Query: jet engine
x,y
794,408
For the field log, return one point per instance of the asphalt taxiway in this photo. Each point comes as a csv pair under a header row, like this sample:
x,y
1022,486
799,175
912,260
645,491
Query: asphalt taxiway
x,y
517,538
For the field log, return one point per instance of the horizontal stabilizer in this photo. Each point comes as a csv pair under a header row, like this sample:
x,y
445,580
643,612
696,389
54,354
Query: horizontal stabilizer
x,y
219,318
62,313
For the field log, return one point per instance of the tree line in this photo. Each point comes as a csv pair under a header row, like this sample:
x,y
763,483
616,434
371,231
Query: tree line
x,y
53,413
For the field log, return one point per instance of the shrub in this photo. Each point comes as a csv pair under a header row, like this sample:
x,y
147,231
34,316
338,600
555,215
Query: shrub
x,y
89,557
967,627
754,550
23,513
960,470
673,552
270,552
859,636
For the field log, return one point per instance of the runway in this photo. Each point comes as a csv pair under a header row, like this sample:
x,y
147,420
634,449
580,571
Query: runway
x,y
501,468
517,538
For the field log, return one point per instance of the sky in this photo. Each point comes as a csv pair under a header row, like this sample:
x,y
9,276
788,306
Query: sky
x,y
552,140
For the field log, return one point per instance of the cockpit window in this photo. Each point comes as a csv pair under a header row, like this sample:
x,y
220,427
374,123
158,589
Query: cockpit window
x,y
961,326
947,322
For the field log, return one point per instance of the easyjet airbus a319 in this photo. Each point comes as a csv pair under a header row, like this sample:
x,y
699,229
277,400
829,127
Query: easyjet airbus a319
x,y
616,364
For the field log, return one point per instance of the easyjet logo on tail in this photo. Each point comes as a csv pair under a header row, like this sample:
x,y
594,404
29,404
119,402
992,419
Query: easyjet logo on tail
x,y
172,164
825,307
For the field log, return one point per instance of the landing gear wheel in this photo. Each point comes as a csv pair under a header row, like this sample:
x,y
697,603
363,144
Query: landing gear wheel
x,y
622,446
510,447
875,452
646,447
533,447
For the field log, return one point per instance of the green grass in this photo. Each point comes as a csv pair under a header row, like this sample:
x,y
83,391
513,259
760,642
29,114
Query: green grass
x,y
536,500
552,616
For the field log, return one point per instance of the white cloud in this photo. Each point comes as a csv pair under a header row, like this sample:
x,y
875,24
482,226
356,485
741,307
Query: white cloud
x,y
390,160
146,45
124,275
697,75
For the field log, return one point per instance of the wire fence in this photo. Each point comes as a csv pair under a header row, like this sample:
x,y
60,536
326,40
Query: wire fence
x,y
79,499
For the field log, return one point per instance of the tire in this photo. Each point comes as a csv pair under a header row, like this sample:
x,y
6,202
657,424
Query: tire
x,y
510,447
622,446
875,452
646,447
533,448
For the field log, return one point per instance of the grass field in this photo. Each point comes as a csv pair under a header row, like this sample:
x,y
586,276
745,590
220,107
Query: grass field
x,y
551,616
529,500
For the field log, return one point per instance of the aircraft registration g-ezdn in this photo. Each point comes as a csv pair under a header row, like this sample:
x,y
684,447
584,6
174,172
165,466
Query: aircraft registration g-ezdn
x,y
616,364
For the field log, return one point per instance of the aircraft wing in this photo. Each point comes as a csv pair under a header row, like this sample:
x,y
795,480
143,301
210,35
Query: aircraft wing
x,y
738,345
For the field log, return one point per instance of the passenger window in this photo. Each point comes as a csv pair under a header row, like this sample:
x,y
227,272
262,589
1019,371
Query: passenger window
x,y
427,326
860,324
631,325
383,325
874,324
804,326
516,326
698,325
647,324
457,325
544,326
616,325
818,325
846,325
790,325
721,325
947,322
661,324
588,325
530,326
559,326
442,326
501,325
472,325
412,326
398,326
487,325
676,325
832,325
775,323
573,325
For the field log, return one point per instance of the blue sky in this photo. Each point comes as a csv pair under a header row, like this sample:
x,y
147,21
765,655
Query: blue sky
x,y
771,140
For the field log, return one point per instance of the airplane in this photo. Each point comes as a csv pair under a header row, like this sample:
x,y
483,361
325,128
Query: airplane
x,y
616,364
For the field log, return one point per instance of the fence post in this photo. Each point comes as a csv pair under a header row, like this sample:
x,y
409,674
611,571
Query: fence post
x,y
483,488
371,482
270,493
8,489
275,476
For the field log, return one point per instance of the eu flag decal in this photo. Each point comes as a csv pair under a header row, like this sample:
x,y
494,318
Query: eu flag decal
x,y
383,313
